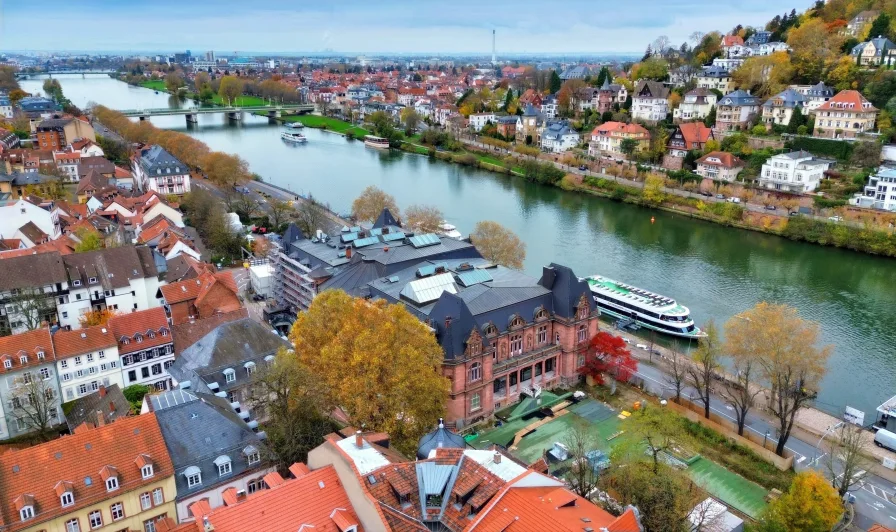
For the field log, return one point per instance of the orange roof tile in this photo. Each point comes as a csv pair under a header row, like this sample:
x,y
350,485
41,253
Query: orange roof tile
x,y
848,100
695,133
36,471
29,345
728,160
193,288
80,341
620,128
127,326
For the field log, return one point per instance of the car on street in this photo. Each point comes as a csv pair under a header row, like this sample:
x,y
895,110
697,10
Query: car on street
x,y
720,196
836,218
733,200
706,193
771,207
583,167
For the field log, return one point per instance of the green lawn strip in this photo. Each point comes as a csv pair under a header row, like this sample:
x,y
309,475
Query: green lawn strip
x,y
154,84
325,122
730,488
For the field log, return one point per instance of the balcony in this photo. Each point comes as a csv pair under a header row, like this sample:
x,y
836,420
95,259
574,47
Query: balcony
x,y
526,359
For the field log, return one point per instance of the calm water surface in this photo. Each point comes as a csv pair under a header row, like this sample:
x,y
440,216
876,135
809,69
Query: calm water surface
x,y
716,271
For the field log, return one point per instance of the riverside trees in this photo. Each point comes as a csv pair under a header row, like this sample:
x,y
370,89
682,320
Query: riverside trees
x,y
499,244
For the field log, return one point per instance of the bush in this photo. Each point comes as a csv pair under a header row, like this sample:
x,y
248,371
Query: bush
x,y
826,233
466,159
134,394
840,150
729,211
828,203
540,172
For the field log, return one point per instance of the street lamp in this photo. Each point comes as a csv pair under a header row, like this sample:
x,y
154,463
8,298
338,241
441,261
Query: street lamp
x,y
830,429
765,439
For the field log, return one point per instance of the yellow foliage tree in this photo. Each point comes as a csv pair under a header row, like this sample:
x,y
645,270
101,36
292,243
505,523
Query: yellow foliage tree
x,y
423,218
653,189
371,203
378,363
810,505
765,75
499,244
92,318
844,74
813,49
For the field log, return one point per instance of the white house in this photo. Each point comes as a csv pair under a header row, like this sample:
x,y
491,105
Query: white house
x,y
146,347
67,162
159,208
479,120
15,214
650,101
85,360
157,170
797,171
696,105
5,107
880,192
559,137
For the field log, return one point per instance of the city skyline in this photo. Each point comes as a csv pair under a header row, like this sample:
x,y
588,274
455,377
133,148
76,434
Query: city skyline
x,y
387,27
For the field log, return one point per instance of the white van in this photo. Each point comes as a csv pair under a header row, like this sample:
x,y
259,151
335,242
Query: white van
x,y
885,439
734,200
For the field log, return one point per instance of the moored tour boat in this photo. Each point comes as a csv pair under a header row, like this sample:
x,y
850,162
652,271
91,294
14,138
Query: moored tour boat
x,y
291,136
376,142
449,230
295,125
650,310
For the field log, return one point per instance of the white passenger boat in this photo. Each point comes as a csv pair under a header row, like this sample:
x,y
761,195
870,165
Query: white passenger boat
x,y
292,136
376,142
449,230
650,310
295,125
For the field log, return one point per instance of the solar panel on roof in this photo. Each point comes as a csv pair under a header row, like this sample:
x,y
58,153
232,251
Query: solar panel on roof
x,y
348,237
376,232
389,237
469,278
393,279
355,229
421,241
424,271
361,242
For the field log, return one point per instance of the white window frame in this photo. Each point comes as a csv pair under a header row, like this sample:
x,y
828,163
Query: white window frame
x,y
145,501
146,471
95,519
194,480
225,469
475,402
27,512
112,483
117,508
73,525
67,496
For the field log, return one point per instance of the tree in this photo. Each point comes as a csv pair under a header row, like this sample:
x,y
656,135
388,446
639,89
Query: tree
x,y
371,202
555,82
88,240
664,500
278,212
499,244
844,74
653,68
294,402
135,394
201,81
741,393
880,27
230,88
678,372
628,146
16,94
173,82
785,345
653,189
423,218
707,361
813,49
710,120
410,118
846,464
810,505
31,308
34,402
225,170
659,428
343,341
764,75
608,354
866,154
310,216
797,119
583,476
92,318
247,206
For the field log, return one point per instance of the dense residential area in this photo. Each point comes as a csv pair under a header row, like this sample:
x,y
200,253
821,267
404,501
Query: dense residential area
x,y
187,345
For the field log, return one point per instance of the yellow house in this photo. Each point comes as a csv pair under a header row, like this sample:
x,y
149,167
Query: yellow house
x,y
114,477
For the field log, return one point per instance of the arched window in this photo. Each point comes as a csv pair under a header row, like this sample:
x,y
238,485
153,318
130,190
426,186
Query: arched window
x,y
517,322
475,371
582,333
475,402
491,330
541,315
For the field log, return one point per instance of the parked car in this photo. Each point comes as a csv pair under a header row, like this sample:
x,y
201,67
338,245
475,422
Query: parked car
x,y
706,193
720,196
836,218
771,207
795,213
734,200
257,297
583,168
886,439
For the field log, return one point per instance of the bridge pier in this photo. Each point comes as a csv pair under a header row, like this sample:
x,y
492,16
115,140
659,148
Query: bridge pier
x,y
274,113
143,118
192,118
238,115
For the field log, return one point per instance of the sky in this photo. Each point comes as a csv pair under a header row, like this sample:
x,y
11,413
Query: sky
x,y
370,26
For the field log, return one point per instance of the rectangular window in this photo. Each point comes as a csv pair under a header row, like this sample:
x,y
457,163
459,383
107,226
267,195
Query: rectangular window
x,y
117,511
542,335
158,497
89,357
132,376
95,518
145,501
516,345
82,389
63,364
72,525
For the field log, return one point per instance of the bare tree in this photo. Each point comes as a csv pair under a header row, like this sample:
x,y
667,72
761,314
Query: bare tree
x,y
742,391
30,307
583,476
702,373
247,205
310,216
697,37
278,212
34,403
661,44
847,465
678,372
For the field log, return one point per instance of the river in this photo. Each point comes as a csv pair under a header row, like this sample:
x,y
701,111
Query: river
x,y
717,271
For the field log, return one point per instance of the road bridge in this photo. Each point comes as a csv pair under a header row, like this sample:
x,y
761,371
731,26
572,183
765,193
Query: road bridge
x,y
233,112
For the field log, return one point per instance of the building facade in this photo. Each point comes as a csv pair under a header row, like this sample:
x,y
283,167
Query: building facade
x,y
779,109
719,166
650,101
797,171
27,367
145,347
606,139
696,105
736,110
880,192
846,115
86,360
157,170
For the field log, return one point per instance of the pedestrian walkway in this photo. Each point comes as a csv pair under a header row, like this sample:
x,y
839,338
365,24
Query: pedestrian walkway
x,y
730,488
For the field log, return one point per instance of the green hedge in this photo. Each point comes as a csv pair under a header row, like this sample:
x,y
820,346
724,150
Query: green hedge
x,y
841,235
828,203
841,150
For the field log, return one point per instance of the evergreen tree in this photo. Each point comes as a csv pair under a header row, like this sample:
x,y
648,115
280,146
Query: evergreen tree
x,y
508,100
797,119
647,54
555,82
880,27
603,76
711,117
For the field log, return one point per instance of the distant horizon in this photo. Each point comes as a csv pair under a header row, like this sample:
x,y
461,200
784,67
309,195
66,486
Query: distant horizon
x,y
391,27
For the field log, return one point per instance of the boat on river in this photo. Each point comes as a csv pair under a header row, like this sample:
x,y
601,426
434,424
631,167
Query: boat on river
x,y
376,142
647,309
291,136
449,230
295,125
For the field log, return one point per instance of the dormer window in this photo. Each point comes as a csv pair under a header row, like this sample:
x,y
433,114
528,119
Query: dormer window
x,y
23,359
7,363
111,483
76,282
229,375
67,499
251,454
26,513
491,330
194,476
92,280
250,367
163,332
151,334
223,464
40,355
125,341
138,338
517,322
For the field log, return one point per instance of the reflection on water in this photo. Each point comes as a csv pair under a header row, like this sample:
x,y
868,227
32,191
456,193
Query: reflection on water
x,y
717,271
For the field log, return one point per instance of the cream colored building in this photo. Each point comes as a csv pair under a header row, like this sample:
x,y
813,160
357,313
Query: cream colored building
x,y
846,115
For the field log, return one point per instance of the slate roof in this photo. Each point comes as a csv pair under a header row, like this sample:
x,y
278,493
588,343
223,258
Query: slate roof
x,y
110,402
188,333
789,98
112,267
199,428
880,45
228,346
31,271
385,219
440,438
820,90
53,123
158,162
647,88
739,98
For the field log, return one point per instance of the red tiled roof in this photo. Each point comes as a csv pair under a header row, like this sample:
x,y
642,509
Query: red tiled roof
x,y
316,500
609,128
727,160
35,471
80,341
695,133
848,100
731,40
143,322
28,344
193,288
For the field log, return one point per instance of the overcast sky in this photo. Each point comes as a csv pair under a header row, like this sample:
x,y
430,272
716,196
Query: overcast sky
x,y
370,26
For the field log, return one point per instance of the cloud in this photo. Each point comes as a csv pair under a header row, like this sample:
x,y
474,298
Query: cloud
x,y
464,26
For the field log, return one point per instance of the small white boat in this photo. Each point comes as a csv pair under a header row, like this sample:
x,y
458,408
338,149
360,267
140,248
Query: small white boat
x,y
295,125
291,136
449,230
376,142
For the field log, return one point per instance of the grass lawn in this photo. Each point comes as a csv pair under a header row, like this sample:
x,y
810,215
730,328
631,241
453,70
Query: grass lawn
x,y
155,84
729,487
324,122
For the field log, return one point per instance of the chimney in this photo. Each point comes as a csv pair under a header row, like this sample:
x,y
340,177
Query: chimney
x,y
100,418
241,495
447,322
359,441
102,391
112,406
348,252
385,249
207,526
497,457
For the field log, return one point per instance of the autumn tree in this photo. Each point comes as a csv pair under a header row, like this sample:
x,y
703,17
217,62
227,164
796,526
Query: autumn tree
x,y
810,505
813,49
663,499
96,317
499,244
740,393
31,308
371,202
201,81
655,68
173,82
653,189
707,362
35,403
230,88
583,476
866,154
226,170
659,428
293,400
278,212
846,463
764,75
843,74
423,218
785,347
677,375
310,216
410,118
608,355
375,361
88,240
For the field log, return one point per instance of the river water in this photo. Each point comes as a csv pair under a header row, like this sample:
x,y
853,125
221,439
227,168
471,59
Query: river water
x,y
717,271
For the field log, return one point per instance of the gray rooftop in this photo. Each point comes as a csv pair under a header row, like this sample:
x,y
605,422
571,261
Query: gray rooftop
x,y
156,161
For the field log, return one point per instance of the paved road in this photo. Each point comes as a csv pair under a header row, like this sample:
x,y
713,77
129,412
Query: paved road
x,y
873,495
